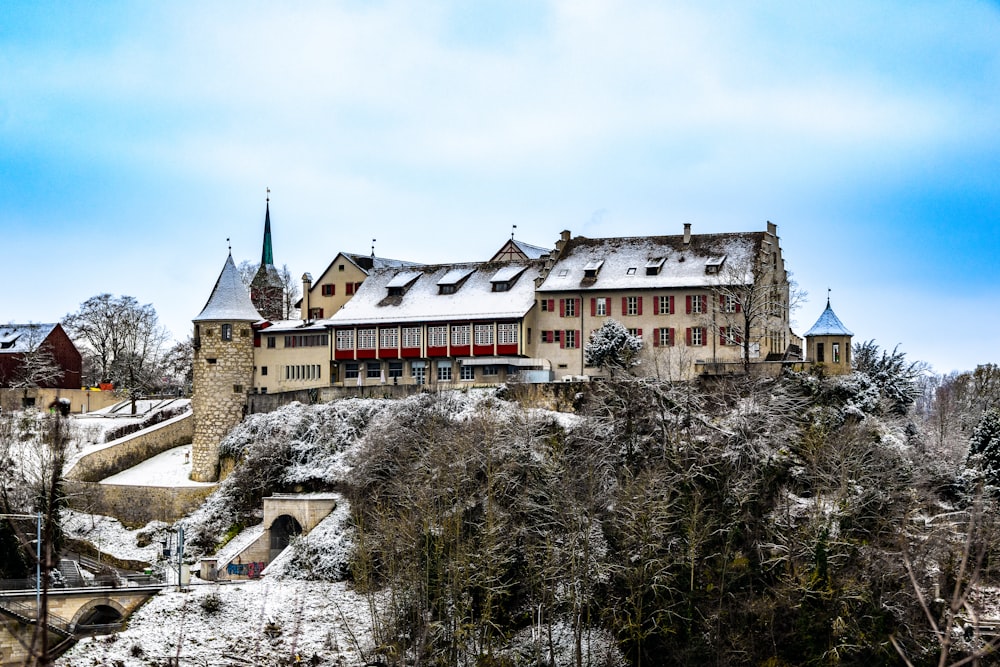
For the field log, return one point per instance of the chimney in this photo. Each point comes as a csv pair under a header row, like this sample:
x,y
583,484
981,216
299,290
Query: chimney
x,y
307,281
565,235
772,228
687,233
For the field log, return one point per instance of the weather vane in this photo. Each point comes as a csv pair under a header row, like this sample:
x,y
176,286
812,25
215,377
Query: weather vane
x,y
373,247
512,228
268,195
230,245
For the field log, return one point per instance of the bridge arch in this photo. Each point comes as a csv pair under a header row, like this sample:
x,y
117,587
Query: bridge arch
x,y
99,611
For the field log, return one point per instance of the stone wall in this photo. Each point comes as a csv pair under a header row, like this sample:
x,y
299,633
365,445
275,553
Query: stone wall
x,y
133,449
81,400
135,506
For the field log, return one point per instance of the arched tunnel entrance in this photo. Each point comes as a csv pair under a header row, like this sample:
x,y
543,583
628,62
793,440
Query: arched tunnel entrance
x,y
99,617
283,529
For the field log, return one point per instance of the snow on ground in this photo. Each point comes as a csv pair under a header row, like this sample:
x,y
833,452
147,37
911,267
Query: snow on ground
x,y
108,535
263,622
169,468
244,539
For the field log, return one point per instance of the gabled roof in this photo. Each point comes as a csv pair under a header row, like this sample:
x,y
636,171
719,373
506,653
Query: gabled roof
x,y
230,299
828,324
621,263
423,302
17,338
364,263
520,248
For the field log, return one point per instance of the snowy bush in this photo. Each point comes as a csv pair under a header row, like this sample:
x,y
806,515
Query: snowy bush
x,y
612,346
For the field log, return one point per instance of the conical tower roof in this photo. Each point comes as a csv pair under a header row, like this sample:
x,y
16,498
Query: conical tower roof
x,y
230,299
267,254
828,324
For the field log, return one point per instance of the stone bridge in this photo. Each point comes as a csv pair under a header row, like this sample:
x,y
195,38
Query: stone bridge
x,y
73,612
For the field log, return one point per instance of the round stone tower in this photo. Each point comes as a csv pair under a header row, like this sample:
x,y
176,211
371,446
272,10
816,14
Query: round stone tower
x,y
223,368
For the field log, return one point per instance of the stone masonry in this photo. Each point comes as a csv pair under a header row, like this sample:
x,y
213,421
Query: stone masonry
x,y
223,375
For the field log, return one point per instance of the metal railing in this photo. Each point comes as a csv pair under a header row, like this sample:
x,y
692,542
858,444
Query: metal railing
x,y
99,581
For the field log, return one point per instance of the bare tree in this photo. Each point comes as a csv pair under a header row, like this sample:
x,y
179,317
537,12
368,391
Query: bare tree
x,y
283,298
122,341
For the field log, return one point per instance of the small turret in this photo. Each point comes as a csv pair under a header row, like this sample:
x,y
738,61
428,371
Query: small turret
x,y
828,342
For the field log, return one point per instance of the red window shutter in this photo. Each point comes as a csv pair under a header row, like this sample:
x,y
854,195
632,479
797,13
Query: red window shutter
x,y
562,307
688,334
639,312
704,303
656,337
688,297
671,311
593,307
656,305
562,341
739,307
670,335
722,335
579,307
722,301
578,341
349,289
638,332
552,305
624,305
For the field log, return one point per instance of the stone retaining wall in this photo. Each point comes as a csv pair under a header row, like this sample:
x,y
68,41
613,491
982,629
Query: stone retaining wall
x,y
135,506
133,449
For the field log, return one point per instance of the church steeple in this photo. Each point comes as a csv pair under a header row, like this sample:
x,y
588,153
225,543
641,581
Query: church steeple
x,y
267,254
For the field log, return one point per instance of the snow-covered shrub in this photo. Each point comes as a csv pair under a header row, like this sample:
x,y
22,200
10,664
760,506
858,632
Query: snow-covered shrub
x,y
325,553
612,346
984,447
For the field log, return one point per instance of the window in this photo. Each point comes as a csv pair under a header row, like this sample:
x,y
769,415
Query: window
x,y
373,370
395,369
729,304
548,305
835,349
570,339
460,334
632,306
329,289
507,334
437,336
345,339
227,332
351,371
489,370
501,286
547,336
664,305
467,373
447,289
315,313
210,360
600,307
484,334
696,336
349,288
820,356
444,372
237,389
664,337
340,268
263,370
411,337
630,271
388,338
729,336
567,307
366,339
697,304
271,341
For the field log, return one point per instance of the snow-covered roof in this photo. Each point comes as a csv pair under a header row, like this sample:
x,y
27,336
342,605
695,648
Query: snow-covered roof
x,y
17,338
828,324
531,251
297,326
403,278
368,262
230,299
423,302
507,273
455,276
652,262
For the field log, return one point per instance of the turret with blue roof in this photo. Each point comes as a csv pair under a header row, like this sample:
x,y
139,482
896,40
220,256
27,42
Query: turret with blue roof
x,y
828,342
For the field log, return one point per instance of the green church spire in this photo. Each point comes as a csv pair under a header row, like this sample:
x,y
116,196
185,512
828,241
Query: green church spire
x,y
267,255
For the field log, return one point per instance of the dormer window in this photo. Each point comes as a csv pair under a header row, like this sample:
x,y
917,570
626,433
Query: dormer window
x,y
630,271
591,269
713,264
654,265
451,281
505,278
401,282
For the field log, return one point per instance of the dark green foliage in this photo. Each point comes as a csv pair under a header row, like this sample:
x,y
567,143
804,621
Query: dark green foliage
x,y
984,446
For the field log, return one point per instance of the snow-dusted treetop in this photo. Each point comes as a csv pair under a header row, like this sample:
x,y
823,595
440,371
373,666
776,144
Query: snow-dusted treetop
x,y
829,324
230,300
16,338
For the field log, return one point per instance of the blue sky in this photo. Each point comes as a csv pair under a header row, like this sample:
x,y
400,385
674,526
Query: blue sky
x,y
136,137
